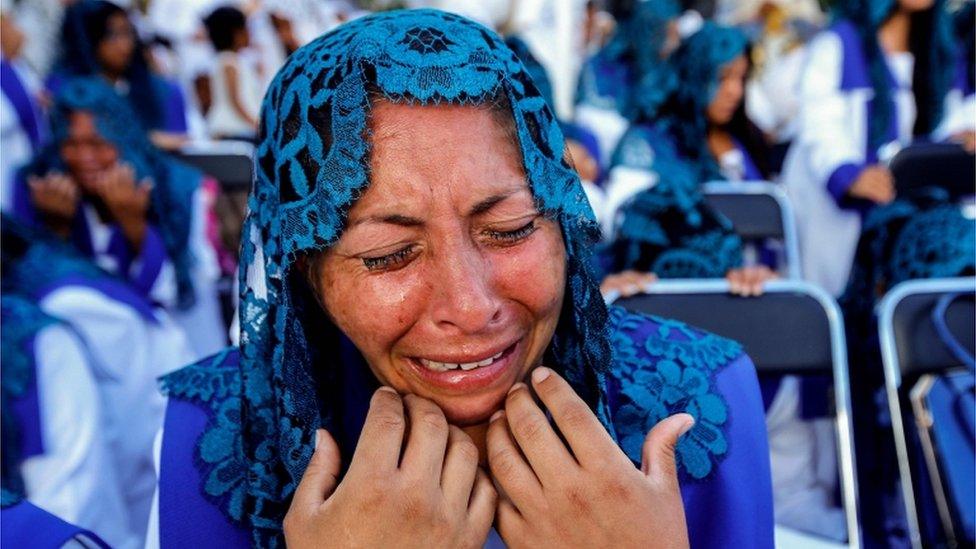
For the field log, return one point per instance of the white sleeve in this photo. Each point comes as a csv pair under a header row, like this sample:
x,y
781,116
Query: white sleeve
x,y
622,184
959,115
152,530
74,478
832,122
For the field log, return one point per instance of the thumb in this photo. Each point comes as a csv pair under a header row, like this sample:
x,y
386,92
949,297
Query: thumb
x,y
658,461
322,474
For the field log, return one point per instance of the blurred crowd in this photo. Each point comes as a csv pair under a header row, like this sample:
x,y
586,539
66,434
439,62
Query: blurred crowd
x,y
119,257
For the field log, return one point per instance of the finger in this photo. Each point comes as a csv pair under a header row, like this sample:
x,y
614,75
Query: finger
x,y
427,440
382,436
460,467
658,461
508,520
481,510
322,474
537,439
735,281
588,439
508,467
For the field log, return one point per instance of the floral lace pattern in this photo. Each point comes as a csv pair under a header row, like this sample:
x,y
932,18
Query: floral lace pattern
x,y
312,164
664,367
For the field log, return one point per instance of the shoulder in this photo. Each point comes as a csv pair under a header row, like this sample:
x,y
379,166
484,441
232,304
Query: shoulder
x,y
662,367
640,145
201,466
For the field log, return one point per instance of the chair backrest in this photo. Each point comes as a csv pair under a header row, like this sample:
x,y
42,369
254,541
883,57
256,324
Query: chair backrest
x,y
945,165
794,327
909,339
229,162
910,347
758,210
789,329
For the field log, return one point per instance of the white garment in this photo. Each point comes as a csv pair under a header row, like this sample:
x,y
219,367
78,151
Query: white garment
x,y
163,290
606,124
14,142
127,355
803,462
203,323
832,131
623,183
222,118
959,115
74,478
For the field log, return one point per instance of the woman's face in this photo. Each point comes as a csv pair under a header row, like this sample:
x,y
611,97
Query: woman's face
x,y
728,94
445,261
116,48
85,152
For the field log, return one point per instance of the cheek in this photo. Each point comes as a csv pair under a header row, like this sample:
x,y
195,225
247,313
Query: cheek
x,y
534,274
373,311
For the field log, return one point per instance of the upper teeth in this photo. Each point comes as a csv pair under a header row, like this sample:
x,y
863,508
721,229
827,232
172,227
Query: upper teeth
x,y
445,366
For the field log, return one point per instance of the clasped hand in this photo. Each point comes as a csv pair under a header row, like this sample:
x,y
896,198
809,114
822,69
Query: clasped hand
x,y
567,485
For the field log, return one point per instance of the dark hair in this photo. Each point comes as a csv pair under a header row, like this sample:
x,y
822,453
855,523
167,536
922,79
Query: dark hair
x,y
84,27
222,25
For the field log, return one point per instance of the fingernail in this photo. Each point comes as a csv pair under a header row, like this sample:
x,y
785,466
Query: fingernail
x,y
540,374
318,438
498,414
387,389
688,425
516,387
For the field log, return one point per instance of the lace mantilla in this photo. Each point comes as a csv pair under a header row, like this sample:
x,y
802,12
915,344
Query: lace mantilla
x,y
312,164
664,367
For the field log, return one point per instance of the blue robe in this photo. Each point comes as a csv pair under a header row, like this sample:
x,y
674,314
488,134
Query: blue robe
x,y
660,367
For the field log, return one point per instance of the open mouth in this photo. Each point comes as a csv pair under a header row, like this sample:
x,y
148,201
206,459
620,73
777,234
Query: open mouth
x,y
473,373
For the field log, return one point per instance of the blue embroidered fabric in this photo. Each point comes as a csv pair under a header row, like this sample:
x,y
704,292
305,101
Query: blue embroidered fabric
x,y
607,79
938,56
20,321
174,183
668,229
289,377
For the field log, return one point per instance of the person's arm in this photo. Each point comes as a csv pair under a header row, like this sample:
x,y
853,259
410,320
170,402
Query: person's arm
x,y
831,129
233,89
74,478
151,272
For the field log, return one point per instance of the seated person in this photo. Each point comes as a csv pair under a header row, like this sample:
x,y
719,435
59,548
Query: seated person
x,y
135,211
418,248
99,40
54,453
27,525
690,128
129,344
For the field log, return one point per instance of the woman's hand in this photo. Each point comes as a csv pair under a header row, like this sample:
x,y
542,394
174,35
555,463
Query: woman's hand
x,y
127,201
874,183
435,494
583,492
627,283
749,281
56,197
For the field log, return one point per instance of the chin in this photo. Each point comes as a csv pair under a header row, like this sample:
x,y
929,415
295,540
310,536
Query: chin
x,y
464,412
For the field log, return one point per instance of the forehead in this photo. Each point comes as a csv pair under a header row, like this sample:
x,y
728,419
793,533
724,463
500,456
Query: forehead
x,y
82,123
425,151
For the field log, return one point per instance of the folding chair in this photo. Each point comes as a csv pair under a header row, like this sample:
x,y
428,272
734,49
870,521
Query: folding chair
x,y
758,210
793,328
911,348
229,162
945,165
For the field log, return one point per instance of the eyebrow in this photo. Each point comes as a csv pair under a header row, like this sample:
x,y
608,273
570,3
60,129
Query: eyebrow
x,y
407,221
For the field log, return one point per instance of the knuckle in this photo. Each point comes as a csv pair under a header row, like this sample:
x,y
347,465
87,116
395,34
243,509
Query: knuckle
x,y
466,450
431,419
530,428
576,416
579,502
389,420
503,463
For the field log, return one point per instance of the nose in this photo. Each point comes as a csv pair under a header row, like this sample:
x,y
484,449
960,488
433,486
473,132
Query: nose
x,y
463,298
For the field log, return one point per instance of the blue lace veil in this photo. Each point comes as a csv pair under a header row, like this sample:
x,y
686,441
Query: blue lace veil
x,y
937,55
312,165
171,207
678,92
